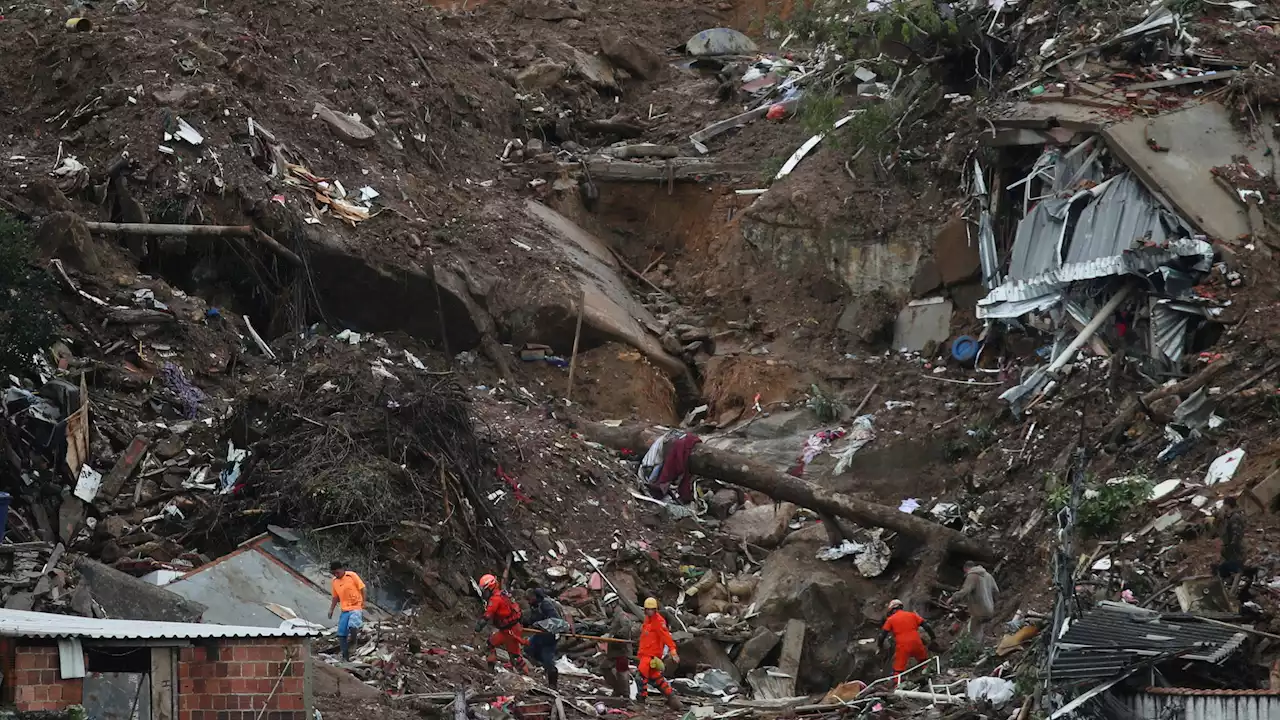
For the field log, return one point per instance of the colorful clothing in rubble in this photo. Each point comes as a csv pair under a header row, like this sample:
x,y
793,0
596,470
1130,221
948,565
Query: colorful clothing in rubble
x,y
676,447
814,446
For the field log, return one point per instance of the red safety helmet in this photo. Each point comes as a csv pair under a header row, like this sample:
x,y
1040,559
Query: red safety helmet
x,y
488,582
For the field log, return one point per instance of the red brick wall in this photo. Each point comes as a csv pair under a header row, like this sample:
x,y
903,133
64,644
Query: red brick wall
x,y
37,681
240,681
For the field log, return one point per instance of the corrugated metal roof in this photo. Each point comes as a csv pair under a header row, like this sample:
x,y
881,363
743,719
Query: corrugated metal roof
x,y
1157,706
1113,637
21,623
1201,691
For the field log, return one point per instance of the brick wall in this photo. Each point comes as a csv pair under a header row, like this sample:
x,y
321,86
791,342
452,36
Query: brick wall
x,y
239,682
37,680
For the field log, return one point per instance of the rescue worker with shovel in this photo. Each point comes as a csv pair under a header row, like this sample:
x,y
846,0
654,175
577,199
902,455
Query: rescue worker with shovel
x,y
655,639
506,617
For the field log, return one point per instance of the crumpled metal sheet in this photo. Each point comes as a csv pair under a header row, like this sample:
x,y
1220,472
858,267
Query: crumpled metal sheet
x,y
1038,240
987,253
1121,216
1141,261
1120,228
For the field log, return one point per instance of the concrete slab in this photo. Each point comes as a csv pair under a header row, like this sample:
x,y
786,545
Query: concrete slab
x,y
956,253
1199,138
922,322
611,310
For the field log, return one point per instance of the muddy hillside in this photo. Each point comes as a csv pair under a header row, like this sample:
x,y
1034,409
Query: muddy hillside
x,y
543,359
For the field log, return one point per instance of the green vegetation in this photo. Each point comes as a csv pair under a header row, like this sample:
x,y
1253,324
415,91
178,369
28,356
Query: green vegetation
x,y
1105,505
965,651
847,25
27,327
825,406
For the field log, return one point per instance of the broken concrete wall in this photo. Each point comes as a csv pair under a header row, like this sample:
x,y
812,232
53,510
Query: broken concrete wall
x,y
611,312
797,241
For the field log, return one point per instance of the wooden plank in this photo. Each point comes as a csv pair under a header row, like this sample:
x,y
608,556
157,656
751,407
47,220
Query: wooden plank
x,y
792,649
724,126
675,170
1207,77
125,465
163,679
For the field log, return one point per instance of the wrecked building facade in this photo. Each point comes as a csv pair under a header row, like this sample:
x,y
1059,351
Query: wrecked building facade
x,y
155,670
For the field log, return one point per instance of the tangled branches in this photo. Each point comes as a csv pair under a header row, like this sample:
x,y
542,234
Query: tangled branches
x,y
346,447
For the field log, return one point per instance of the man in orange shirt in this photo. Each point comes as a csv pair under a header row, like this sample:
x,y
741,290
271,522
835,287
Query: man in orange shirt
x,y
655,639
348,589
905,626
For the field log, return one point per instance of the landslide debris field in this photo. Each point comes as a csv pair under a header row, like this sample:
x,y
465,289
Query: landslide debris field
x,y
417,287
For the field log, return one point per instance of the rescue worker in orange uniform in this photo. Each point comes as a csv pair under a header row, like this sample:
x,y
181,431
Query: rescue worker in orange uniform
x,y
505,615
654,639
905,626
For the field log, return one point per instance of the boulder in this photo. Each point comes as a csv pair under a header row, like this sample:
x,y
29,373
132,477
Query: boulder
x,y
626,585
540,75
755,650
64,235
719,41
701,653
763,525
722,503
829,597
348,129
627,53
595,70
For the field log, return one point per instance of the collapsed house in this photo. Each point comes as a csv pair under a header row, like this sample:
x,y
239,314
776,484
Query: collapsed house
x,y
1105,238
1140,663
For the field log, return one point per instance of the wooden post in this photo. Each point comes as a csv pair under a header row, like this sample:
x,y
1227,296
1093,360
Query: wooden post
x,y
577,335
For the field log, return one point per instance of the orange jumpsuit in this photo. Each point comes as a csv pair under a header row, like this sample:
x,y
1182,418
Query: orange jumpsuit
x,y
654,638
505,615
907,643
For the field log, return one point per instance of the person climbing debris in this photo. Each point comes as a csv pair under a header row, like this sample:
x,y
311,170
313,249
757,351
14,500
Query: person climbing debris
x,y
546,617
506,617
655,640
348,590
1232,535
979,591
617,665
904,626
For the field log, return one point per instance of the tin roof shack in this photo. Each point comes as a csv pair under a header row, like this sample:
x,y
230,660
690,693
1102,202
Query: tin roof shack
x,y
1116,655
138,670
1087,234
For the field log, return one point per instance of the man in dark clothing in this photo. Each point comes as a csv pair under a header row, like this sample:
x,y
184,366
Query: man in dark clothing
x,y
542,646
1232,534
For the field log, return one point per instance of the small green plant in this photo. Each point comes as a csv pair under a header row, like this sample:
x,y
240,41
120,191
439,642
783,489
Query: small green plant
x,y
965,651
27,326
1105,505
819,111
827,408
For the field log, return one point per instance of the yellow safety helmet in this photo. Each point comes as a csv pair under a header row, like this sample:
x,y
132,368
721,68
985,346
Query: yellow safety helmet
x,y
656,664
651,603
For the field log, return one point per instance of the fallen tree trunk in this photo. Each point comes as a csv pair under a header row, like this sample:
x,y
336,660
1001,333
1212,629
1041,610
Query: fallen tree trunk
x,y
741,470
1114,429
161,229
